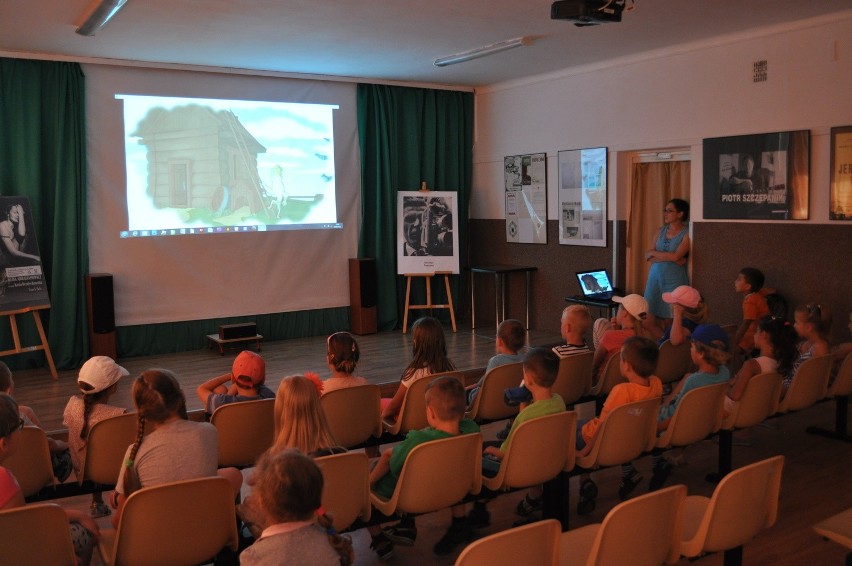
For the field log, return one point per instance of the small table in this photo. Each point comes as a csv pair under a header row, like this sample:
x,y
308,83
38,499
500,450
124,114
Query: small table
x,y
499,271
223,343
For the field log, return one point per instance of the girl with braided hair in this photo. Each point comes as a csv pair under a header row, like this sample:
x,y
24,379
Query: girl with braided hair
x,y
168,447
287,498
342,355
97,380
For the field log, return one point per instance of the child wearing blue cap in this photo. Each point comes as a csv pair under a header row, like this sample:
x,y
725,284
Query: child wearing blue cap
x,y
709,352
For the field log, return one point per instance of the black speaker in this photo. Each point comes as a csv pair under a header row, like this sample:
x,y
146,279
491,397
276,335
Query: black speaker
x,y
101,309
101,302
363,295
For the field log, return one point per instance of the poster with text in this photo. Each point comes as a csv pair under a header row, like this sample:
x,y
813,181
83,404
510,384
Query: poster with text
x,y
582,197
427,229
757,177
526,198
22,281
840,201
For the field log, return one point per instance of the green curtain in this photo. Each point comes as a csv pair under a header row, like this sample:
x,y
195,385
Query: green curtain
x,y
409,135
43,157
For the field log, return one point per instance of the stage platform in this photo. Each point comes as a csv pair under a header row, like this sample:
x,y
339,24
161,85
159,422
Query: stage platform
x,y
383,357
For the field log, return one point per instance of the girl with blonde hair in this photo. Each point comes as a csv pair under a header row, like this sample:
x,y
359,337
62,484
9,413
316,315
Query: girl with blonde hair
x,y
299,419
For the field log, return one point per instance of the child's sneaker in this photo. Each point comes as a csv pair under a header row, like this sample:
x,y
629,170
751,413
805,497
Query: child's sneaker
x,y
99,509
527,506
628,484
588,494
382,546
457,533
503,434
403,533
662,469
479,517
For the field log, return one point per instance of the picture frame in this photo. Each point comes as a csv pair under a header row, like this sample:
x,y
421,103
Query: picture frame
x,y
22,282
757,176
525,180
582,196
840,193
427,232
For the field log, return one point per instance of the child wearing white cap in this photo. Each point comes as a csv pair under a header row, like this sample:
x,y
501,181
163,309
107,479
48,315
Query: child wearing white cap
x,y
608,335
97,380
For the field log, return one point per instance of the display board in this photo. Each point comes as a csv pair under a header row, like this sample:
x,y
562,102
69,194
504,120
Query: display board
x,y
427,224
582,197
526,198
22,283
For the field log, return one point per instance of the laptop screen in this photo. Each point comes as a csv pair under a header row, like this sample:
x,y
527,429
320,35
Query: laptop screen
x,y
594,282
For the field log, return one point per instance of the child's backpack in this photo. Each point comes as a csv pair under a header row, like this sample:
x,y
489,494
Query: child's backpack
x,y
777,306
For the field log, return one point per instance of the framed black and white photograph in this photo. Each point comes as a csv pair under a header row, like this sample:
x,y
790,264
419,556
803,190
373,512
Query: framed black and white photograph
x,y
427,228
757,177
22,283
582,197
840,199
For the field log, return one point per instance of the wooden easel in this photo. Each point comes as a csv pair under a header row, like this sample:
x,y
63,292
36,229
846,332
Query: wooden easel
x,y
17,339
429,305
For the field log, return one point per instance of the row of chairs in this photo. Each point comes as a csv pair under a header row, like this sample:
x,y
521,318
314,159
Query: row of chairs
x,y
650,529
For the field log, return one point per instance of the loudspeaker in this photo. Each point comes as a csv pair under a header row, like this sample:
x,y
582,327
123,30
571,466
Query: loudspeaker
x,y
101,310
363,295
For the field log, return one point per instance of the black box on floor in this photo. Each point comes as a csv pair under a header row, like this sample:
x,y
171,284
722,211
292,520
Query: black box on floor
x,y
241,330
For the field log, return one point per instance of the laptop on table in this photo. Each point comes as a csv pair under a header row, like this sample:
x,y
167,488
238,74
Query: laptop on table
x,y
596,285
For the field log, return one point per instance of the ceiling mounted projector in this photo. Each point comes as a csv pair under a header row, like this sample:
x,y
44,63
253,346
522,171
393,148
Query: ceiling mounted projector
x,y
587,12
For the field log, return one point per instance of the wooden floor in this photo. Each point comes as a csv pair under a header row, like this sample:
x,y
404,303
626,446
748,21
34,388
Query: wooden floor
x,y
817,482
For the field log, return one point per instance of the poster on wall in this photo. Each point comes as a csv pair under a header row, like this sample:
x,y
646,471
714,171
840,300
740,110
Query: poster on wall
x,y
582,197
525,179
22,283
840,200
757,177
427,224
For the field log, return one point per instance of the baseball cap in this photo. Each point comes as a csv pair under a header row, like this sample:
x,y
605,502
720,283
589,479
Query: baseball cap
x,y
684,295
99,373
635,305
249,369
711,335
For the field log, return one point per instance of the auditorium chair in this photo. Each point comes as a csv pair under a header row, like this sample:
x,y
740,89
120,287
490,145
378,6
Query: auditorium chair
x,y
610,377
354,414
574,379
535,543
839,390
488,405
809,385
106,445
412,413
698,415
624,435
236,448
30,462
35,535
674,361
346,488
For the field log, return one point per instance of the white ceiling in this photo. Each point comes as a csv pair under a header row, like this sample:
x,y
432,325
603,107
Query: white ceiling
x,y
382,40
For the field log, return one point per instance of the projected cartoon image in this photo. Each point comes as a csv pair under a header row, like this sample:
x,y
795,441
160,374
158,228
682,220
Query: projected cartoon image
x,y
203,163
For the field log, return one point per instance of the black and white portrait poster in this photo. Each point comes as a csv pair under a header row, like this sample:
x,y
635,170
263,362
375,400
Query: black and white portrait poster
x,y
22,282
427,228
757,177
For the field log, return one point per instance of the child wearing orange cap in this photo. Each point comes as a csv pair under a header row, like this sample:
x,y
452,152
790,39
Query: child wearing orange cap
x,y
245,382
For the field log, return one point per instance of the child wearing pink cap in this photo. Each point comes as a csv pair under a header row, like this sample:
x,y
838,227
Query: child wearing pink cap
x,y
688,311
245,382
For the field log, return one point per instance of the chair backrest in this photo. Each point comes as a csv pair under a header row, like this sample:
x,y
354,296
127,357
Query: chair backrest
x,y
627,432
354,414
346,487
488,405
538,450
30,463
106,445
438,474
412,414
759,401
809,385
842,384
610,376
674,361
175,524
698,415
535,543
34,535
644,531
744,503
575,377
246,430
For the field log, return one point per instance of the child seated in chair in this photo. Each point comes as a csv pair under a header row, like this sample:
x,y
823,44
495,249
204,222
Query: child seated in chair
x,y
511,337
638,363
541,366
245,382
445,407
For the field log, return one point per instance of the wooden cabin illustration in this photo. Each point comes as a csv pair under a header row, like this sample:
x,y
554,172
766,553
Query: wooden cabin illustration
x,y
201,158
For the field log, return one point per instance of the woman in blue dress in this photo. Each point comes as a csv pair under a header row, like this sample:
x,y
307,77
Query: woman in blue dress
x,y
668,260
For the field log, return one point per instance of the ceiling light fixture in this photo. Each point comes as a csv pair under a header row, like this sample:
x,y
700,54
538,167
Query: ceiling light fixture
x,y
483,51
99,13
